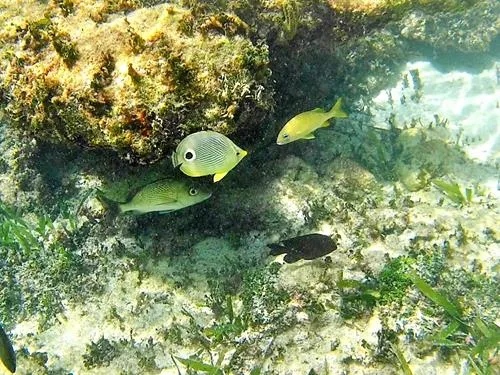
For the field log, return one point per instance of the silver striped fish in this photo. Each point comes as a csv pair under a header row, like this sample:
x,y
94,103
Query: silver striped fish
x,y
205,153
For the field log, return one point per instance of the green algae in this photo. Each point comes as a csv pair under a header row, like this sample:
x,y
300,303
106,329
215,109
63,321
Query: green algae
x,y
66,49
436,297
200,366
455,192
103,352
264,302
38,272
100,353
291,19
228,325
393,280
483,339
390,287
357,297
403,363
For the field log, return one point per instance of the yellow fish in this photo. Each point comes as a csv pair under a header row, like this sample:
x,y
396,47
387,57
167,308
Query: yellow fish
x,y
207,152
163,196
304,124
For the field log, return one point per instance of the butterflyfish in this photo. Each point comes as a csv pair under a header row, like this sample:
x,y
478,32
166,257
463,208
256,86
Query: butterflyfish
x,y
205,153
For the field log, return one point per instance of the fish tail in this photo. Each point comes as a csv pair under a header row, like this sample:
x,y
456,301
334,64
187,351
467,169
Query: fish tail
x,y
109,204
337,110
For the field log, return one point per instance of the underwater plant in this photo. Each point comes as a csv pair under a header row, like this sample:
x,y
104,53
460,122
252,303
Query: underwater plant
x,y
198,365
456,193
465,329
39,267
100,353
482,341
291,19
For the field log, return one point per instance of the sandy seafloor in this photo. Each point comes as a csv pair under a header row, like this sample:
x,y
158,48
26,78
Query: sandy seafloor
x,y
468,100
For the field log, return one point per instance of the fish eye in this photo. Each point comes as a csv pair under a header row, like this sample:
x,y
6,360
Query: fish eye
x,y
285,136
189,155
193,191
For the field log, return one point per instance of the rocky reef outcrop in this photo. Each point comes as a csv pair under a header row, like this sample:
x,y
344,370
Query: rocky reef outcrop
x,y
137,76
135,81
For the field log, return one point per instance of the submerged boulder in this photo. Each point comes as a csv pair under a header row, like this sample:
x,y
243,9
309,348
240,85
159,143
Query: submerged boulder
x,y
134,82
468,27
137,76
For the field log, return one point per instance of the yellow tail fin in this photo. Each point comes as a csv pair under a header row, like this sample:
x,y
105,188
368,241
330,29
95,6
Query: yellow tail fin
x,y
337,111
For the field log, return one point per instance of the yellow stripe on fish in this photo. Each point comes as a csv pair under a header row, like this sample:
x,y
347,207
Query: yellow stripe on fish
x,y
304,124
205,153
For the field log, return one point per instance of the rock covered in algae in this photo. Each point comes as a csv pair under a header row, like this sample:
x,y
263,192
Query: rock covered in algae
x,y
137,77
459,28
135,82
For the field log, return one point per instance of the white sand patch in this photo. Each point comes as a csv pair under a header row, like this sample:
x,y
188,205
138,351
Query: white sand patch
x,y
470,102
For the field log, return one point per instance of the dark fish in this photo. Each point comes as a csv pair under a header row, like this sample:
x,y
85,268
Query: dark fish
x,y
309,246
7,355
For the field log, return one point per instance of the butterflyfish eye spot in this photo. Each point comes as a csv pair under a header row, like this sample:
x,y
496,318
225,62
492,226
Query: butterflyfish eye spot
x,y
193,191
189,155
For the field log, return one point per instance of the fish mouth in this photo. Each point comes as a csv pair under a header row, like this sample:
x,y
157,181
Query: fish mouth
x,y
204,197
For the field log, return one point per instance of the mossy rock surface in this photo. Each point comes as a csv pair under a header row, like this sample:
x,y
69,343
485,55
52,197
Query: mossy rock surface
x,y
137,76
136,82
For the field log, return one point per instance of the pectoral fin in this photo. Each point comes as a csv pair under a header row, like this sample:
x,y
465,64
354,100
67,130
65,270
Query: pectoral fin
x,y
291,258
309,136
219,176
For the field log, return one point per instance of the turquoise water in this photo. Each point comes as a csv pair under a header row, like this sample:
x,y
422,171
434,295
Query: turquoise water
x,y
406,187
